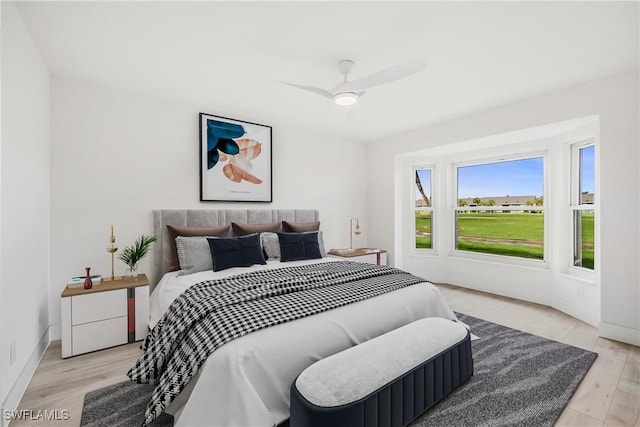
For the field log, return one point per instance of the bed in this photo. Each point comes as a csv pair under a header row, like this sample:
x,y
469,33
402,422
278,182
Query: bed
x,y
246,382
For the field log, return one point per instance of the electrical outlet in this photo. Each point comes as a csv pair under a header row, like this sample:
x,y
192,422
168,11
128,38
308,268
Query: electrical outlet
x,y
12,353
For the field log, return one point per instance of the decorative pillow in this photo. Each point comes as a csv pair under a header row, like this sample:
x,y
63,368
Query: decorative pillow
x,y
298,227
241,229
297,246
323,252
270,245
194,254
180,230
243,251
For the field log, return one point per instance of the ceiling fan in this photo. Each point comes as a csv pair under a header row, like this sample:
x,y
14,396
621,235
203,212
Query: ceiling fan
x,y
348,92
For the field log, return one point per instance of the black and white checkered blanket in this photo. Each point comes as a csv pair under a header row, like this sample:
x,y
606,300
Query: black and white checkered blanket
x,y
212,313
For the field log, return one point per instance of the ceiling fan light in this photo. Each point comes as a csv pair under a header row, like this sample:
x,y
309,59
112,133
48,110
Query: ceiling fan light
x,y
345,98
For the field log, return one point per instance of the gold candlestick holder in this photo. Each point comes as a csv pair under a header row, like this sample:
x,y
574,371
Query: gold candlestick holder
x,y
112,250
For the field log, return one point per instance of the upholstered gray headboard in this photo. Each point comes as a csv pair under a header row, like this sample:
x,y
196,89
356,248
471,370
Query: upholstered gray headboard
x,y
212,218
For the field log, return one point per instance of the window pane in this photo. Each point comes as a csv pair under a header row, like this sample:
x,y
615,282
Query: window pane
x,y
423,230
423,188
584,243
513,182
587,175
516,184
519,234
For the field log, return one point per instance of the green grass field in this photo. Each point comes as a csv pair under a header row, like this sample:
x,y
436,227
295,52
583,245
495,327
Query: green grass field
x,y
423,230
510,234
498,233
588,228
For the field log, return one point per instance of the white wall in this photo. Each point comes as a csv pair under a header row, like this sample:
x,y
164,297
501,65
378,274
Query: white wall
x,y
615,101
24,207
117,155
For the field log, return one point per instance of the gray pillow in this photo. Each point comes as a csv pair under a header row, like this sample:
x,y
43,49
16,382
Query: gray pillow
x,y
180,230
323,252
194,255
270,245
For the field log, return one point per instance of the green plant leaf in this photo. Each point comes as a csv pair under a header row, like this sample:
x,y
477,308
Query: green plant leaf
x,y
131,255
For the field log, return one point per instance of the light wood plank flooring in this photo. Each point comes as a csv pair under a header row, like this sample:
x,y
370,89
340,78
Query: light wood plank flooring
x,y
608,396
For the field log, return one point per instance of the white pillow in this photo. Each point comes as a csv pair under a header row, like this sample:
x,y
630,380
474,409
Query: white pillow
x,y
194,255
323,252
270,245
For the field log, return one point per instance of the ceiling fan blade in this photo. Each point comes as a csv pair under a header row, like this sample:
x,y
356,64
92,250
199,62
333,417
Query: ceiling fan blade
x,y
313,89
381,77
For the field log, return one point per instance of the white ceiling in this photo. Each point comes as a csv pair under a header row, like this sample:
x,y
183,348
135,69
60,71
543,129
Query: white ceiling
x,y
224,56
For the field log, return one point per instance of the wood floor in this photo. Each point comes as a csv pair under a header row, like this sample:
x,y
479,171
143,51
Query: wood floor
x,y
608,396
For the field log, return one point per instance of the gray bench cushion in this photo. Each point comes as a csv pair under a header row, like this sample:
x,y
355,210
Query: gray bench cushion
x,y
360,370
386,381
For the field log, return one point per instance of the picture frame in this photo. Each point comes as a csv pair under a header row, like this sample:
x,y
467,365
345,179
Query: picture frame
x,y
235,160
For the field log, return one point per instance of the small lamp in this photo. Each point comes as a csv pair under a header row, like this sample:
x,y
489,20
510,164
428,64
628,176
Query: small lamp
x,y
357,232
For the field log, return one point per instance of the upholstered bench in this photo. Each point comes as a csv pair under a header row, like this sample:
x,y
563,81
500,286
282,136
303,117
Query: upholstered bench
x,y
387,381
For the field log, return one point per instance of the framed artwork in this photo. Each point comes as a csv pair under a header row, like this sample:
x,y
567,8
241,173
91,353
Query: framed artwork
x,y
235,160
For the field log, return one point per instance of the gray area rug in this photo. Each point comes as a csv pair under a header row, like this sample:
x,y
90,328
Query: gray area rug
x,y
519,380
120,405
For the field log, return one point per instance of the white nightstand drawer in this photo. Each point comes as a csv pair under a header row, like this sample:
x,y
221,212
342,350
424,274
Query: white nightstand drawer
x,y
369,258
112,313
97,335
98,306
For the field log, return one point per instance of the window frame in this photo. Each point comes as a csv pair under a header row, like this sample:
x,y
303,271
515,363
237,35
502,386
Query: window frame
x,y
455,209
574,206
414,209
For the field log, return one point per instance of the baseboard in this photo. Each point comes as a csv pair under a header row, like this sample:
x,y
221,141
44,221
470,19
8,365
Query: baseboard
x,y
620,333
578,312
20,386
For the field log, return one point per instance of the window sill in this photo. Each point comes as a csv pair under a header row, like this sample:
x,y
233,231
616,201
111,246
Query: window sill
x,y
500,260
424,253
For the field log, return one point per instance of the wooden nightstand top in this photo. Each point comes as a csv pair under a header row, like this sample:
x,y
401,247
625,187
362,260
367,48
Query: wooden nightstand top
x,y
358,252
107,285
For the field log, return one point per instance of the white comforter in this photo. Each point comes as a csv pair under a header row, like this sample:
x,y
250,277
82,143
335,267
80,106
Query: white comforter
x,y
246,382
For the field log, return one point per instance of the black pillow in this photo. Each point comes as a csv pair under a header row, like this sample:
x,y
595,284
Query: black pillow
x,y
243,251
296,246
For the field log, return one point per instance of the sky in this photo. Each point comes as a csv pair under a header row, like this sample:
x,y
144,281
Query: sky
x,y
587,180
523,177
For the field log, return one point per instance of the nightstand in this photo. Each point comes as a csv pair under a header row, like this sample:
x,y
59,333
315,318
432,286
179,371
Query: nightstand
x,y
112,313
371,256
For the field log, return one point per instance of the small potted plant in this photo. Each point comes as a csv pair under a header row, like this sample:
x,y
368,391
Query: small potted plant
x,y
131,255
